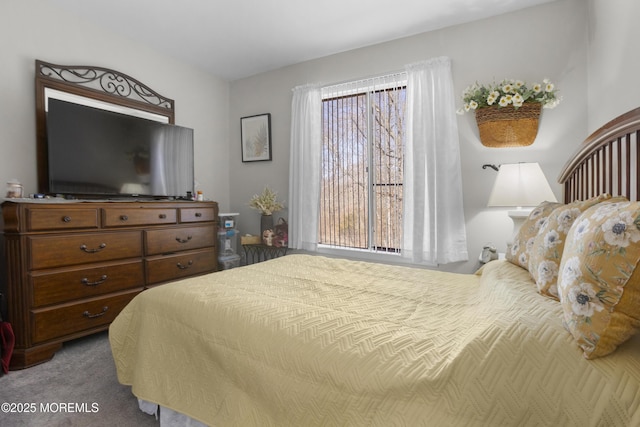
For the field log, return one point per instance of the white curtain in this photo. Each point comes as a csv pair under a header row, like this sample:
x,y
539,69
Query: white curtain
x,y
433,224
304,167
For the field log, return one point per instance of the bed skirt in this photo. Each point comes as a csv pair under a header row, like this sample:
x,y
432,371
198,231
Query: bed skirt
x,y
168,417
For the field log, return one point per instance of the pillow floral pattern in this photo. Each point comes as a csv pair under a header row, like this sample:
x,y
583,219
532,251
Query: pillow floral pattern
x,y
519,252
599,278
546,251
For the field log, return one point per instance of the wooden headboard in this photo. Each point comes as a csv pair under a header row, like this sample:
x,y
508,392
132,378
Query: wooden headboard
x,y
607,162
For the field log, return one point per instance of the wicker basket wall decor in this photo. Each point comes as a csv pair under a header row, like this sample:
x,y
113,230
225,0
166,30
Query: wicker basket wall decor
x,y
508,127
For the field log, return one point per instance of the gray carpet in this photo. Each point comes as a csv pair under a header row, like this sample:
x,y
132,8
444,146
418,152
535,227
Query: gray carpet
x,y
81,376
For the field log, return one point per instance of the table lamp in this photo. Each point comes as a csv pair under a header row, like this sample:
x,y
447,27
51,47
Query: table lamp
x,y
522,186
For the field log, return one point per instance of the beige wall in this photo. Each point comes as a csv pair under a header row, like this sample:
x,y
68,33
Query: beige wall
x,y
544,41
32,29
614,60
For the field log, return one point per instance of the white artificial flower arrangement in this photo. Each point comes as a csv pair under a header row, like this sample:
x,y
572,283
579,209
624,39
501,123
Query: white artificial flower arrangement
x,y
509,93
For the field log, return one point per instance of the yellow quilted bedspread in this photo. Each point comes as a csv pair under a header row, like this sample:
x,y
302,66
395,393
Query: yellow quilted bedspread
x,y
313,341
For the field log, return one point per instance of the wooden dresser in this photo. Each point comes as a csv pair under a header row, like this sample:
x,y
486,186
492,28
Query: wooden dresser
x,y
71,267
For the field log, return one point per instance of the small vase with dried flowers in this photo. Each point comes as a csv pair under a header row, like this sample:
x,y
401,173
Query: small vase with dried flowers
x,y
267,203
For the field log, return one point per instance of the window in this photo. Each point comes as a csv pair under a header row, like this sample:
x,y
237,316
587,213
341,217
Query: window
x,y
433,228
361,187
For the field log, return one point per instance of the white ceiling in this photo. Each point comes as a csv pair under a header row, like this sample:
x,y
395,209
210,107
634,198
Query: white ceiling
x,y
239,38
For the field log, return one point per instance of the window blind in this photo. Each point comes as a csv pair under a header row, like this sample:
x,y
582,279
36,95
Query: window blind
x,y
362,163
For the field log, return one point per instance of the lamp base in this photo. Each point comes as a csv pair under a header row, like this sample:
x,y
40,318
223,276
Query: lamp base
x,y
518,216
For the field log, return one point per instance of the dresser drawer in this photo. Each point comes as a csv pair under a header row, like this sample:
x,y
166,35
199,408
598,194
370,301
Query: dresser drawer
x,y
57,286
72,249
198,214
67,319
62,219
163,268
178,239
123,217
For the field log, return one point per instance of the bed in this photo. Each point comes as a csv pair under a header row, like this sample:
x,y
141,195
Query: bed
x,y
308,340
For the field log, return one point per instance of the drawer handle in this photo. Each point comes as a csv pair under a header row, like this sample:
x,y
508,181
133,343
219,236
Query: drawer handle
x,y
162,216
124,218
184,267
198,214
100,281
179,240
91,251
93,316
66,219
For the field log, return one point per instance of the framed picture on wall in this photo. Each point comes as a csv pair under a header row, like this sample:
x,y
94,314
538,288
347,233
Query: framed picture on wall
x,y
255,134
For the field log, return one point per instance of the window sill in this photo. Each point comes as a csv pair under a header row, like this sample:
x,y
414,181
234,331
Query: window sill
x,y
365,255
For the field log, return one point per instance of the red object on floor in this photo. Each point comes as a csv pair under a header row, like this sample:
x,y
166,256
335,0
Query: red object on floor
x,y
7,341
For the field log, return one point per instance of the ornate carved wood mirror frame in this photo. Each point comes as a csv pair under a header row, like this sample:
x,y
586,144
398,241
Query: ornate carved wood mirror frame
x,y
97,87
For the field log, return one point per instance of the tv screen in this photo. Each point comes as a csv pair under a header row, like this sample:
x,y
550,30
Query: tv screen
x,y
94,152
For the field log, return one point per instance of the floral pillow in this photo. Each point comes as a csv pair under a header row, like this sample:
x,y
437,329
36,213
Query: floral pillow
x,y
547,247
599,278
518,254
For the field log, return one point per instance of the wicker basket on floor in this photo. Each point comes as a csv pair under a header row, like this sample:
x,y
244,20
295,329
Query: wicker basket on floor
x,y
508,127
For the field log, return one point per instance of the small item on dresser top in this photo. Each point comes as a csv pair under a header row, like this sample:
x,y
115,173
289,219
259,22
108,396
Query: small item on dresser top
x,y
14,189
200,196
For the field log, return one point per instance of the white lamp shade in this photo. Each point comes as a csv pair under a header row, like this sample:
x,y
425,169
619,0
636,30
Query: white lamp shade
x,y
520,185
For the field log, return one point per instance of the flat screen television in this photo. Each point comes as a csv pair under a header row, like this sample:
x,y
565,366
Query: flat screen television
x,y
99,153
